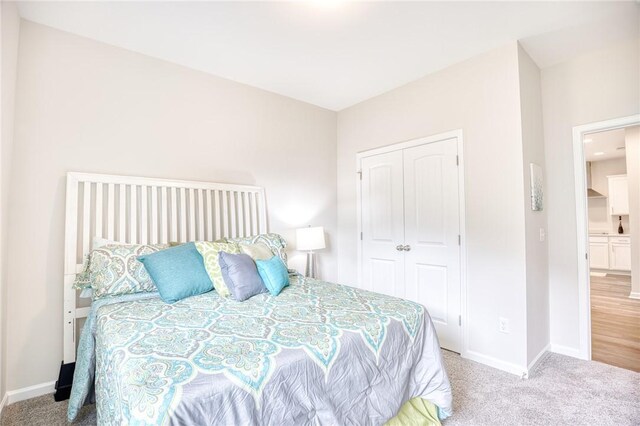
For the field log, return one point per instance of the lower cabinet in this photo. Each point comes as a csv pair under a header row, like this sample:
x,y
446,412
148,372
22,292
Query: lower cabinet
x,y
620,256
610,252
599,255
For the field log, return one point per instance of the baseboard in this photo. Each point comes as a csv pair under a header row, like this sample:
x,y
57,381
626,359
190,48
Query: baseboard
x,y
625,273
495,363
609,272
3,402
565,350
507,366
537,359
634,295
29,392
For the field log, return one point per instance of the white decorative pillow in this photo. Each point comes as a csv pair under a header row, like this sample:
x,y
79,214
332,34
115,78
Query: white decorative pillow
x,y
275,242
115,270
257,251
97,242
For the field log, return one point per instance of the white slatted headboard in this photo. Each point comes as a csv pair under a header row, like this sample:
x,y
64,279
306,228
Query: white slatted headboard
x,y
147,211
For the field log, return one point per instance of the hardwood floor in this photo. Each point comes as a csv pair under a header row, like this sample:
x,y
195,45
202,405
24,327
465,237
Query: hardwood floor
x,y
615,322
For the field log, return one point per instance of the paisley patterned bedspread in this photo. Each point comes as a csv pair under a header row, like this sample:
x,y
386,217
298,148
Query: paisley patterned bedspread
x,y
319,353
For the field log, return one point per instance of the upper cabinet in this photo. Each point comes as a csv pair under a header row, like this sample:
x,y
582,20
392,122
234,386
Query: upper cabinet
x,y
618,195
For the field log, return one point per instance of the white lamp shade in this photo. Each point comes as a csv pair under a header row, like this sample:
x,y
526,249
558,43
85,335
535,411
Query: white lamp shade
x,y
310,238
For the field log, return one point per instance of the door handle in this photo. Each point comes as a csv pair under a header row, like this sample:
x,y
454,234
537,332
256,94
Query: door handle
x,y
406,248
399,247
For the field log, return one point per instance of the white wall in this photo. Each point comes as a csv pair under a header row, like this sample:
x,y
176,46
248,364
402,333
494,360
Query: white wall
x,y
535,221
86,106
632,143
596,86
481,97
597,213
601,169
10,29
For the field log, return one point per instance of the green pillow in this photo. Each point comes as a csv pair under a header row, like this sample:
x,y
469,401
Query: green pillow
x,y
210,253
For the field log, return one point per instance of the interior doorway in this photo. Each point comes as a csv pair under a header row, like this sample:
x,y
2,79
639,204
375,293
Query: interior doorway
x,y
607,166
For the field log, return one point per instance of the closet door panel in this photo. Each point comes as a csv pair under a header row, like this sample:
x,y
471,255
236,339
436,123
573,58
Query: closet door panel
x,y
426,222
382,223
432,256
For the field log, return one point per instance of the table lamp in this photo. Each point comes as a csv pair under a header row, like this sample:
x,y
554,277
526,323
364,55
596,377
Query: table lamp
x,y
310,239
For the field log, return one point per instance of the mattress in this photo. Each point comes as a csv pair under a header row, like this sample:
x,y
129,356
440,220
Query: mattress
x,y
318,353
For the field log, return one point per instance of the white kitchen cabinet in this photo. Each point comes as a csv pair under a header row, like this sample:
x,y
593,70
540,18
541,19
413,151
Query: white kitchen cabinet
x,y
599,252
610,252
599,256
618,195
620,253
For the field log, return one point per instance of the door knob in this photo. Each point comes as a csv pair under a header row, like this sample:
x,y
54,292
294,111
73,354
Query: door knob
x,y
407,248
399,247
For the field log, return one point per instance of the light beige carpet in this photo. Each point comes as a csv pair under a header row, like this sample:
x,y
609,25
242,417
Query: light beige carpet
x,y
562,391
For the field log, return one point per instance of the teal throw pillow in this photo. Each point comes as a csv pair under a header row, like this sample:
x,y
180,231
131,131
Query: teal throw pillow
x,y
178,272
274,274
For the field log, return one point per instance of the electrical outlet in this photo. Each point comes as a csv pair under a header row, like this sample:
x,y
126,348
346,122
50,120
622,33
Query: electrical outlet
x,y
503,325
543,234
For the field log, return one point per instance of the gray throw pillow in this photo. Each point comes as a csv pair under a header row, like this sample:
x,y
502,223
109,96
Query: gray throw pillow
x,y
241,276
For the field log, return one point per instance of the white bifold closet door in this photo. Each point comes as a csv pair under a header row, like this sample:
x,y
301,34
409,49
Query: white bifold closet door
x,y
383,223
411,226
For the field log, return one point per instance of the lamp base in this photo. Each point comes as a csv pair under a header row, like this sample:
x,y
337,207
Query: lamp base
x,y
311,268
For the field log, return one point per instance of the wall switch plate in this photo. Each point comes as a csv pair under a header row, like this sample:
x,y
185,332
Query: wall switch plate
x,y
543,234
503,325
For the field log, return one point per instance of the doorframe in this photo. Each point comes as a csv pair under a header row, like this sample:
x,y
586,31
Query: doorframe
x,y
440,137
582,222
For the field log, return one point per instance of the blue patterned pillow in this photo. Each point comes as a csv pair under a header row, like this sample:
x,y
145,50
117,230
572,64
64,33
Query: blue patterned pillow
x,y
178,272
114,269
274,274
83,279
241,276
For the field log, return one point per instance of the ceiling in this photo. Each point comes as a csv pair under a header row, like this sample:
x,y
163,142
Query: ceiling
x,y
337,53
606,143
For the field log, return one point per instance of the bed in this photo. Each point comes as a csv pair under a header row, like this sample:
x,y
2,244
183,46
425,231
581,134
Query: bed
x,y
318,353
